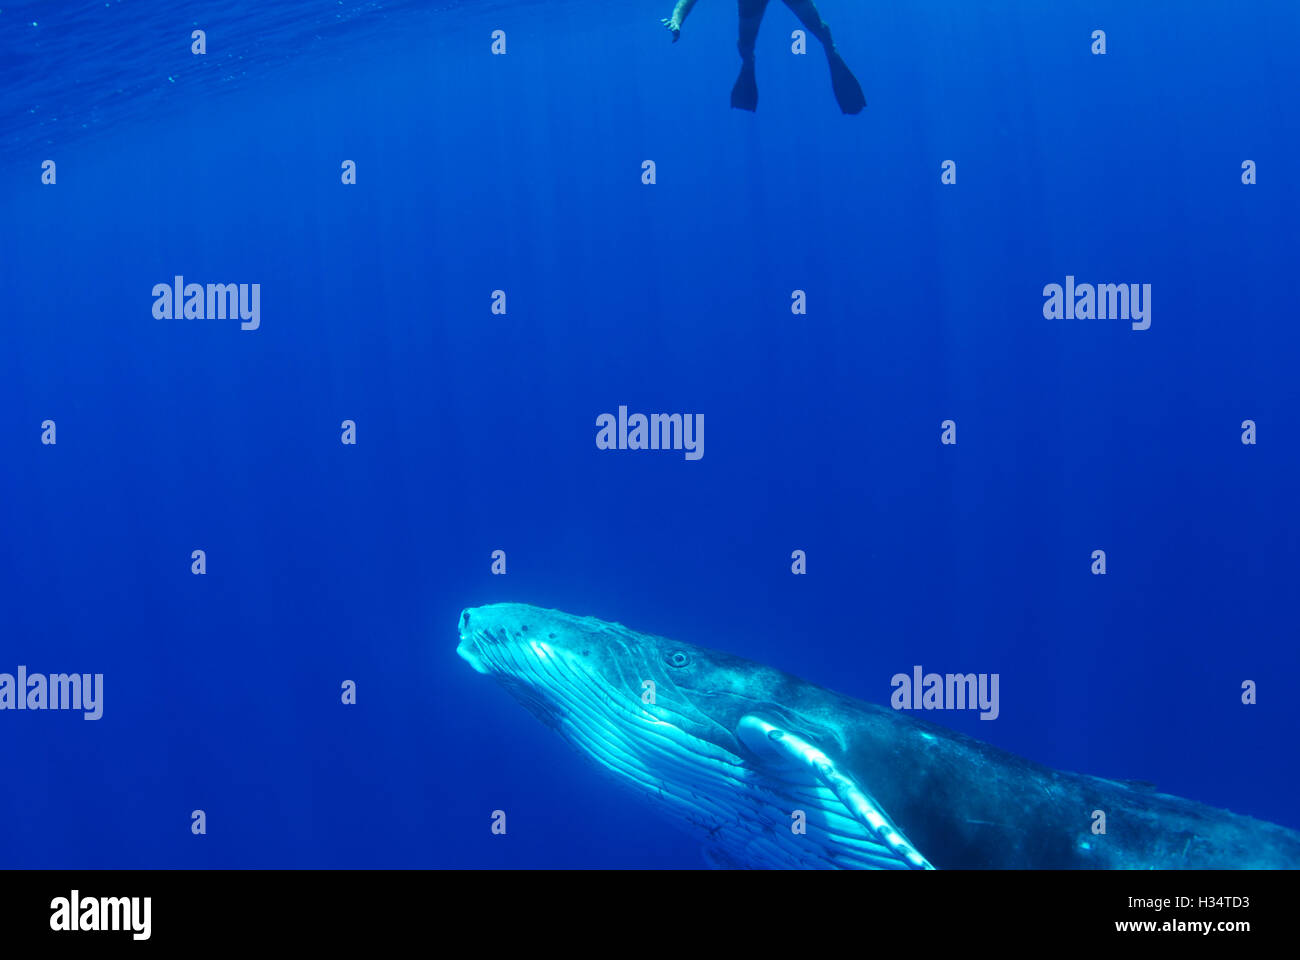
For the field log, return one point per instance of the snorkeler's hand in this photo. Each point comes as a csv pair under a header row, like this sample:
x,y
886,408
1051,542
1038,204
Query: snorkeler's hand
x,y
674,26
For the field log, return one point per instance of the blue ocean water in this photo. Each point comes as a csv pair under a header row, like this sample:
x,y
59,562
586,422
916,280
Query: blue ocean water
x,y
475,430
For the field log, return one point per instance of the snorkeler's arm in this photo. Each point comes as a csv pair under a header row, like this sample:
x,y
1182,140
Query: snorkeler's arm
x,y
680,12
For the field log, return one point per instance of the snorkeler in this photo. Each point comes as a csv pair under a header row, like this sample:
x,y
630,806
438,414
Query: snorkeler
x,y
744,95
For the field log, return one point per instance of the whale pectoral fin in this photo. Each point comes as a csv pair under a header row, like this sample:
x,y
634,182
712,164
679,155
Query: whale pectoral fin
x,y
772,743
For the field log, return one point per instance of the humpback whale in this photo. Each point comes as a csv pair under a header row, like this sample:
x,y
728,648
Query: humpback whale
x,y
774,772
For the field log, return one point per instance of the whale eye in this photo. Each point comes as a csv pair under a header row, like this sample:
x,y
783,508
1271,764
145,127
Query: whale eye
x,y
677,659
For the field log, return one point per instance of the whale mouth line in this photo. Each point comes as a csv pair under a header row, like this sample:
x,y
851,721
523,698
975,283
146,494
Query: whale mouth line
x,y
500,654
522,676
563,691
467,652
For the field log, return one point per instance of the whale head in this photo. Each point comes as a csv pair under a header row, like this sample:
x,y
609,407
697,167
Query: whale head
x,y
731,746
609,688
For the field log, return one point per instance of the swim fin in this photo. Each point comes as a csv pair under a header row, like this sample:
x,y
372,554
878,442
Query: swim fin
x,y
744,95
848,92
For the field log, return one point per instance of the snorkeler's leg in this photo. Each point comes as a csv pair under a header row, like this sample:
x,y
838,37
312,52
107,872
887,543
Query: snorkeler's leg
x,y
848,92
751,15
809,16
744,95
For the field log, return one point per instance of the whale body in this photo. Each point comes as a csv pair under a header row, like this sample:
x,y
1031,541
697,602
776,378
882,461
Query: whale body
x,y
771,771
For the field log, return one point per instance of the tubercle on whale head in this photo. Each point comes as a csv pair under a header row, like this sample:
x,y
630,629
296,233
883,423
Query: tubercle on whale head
x,y
536,644
499,638
489,632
